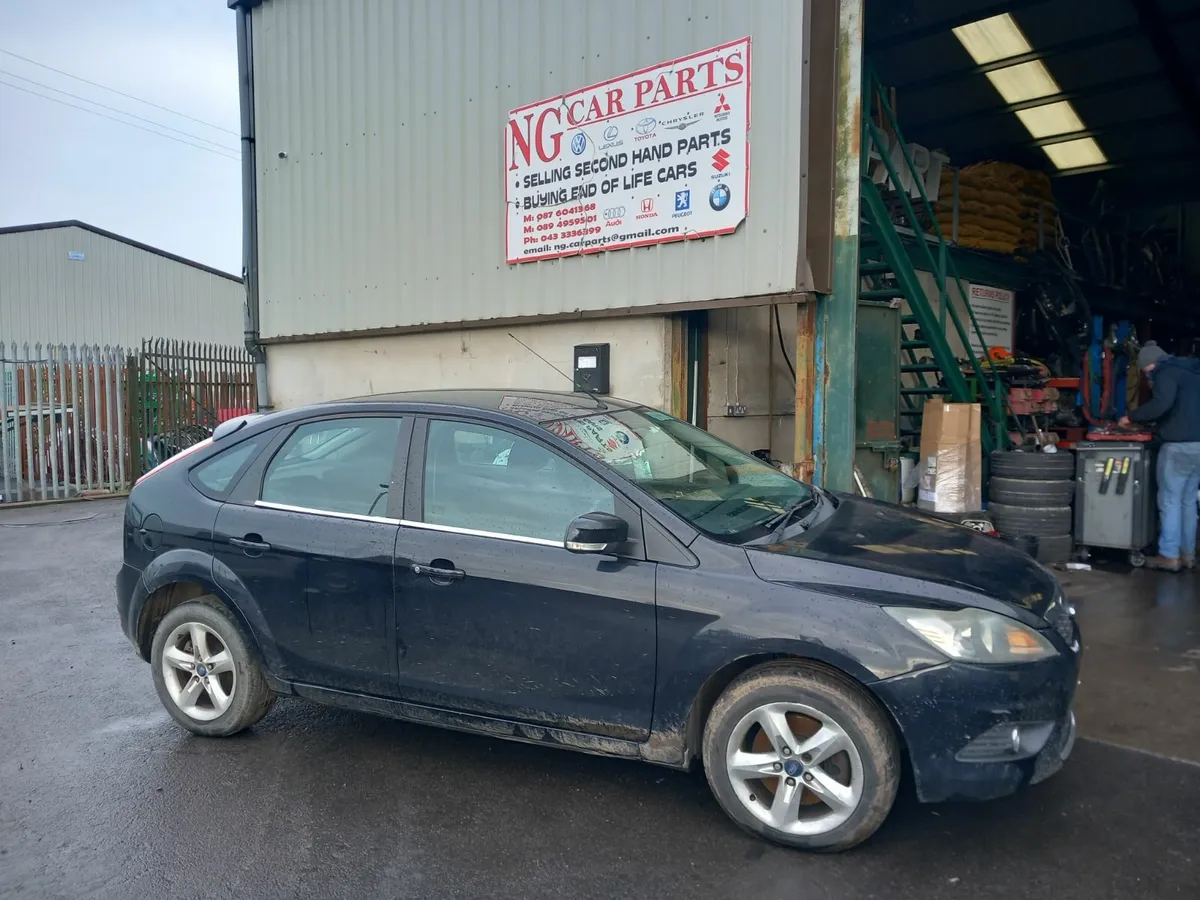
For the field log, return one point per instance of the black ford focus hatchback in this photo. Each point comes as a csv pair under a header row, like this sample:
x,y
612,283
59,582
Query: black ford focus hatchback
x,y
600,576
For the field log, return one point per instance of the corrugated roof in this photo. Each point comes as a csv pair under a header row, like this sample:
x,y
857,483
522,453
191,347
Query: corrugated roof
x,y
75,223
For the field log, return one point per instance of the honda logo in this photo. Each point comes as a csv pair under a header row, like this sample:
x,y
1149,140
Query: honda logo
x,y
648,205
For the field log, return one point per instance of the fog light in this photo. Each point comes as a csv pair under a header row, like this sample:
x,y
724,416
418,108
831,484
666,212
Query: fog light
x,y
1007,742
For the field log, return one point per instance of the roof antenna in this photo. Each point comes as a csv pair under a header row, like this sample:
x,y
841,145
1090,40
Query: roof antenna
x,y
594,400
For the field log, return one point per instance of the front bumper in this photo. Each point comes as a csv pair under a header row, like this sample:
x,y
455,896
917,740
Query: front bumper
x,y
943,710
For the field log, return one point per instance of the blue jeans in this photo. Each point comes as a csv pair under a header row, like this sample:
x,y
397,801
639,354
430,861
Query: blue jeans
x,y
1178,482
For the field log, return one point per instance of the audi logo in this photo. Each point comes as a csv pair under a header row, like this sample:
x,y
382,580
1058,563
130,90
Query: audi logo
x,y
615,213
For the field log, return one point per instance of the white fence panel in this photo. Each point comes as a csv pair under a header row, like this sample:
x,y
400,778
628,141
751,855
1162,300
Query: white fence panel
x,y
62,421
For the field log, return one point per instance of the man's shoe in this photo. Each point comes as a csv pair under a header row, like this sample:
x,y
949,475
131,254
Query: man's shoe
x,y
1162,564
1189,562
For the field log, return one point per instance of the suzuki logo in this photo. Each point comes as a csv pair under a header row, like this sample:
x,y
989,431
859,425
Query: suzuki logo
x,y
648,205
721,160
722,106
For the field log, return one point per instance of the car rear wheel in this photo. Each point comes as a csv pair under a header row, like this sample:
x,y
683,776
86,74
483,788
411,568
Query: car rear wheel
x,y
205,673
802,757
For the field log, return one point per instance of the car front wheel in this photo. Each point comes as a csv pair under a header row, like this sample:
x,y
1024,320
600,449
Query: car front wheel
x,y
802,757
205,673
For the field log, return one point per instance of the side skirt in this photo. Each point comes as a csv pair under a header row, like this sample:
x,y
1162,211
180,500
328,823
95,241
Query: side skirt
x,y
458,721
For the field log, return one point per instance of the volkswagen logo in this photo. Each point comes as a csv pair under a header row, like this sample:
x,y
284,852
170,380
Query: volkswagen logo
x,y
718,199
646,125
611,132
614,213
578,143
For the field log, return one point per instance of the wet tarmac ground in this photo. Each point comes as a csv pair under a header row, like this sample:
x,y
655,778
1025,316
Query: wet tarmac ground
x,y
101,795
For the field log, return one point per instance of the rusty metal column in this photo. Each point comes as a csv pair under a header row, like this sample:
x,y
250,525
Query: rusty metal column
x,y
806,339
836,314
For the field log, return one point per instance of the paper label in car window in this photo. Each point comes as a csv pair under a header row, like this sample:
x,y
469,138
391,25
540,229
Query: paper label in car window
x,y
602,436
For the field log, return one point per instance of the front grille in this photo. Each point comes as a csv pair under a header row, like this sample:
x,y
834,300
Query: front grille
x,y
1058,616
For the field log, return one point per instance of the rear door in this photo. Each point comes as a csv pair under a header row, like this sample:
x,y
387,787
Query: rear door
x,y
498,618
313,541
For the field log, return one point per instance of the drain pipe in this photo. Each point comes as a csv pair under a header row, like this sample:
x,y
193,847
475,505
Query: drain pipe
x,y
250,208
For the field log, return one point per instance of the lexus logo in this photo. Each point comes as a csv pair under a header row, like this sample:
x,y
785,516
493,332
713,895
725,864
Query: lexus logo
x,y
615,213
648,205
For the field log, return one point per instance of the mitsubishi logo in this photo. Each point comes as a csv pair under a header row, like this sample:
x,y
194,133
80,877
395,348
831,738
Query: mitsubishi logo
x,y
720,160
722,106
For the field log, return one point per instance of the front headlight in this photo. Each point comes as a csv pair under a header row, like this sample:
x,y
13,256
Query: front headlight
x,y
974,635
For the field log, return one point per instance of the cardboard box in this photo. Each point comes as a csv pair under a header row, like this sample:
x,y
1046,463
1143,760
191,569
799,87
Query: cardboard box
x,y
951,462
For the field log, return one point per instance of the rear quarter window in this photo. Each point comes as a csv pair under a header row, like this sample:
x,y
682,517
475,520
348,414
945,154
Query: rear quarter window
x,y
218,474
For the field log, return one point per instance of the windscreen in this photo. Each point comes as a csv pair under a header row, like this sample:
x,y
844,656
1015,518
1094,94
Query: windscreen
x,y
720,490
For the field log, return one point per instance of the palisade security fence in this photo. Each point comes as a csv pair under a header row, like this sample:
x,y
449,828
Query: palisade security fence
x,y
78,419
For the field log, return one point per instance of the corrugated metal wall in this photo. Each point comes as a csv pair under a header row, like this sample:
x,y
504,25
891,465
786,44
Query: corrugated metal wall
x,y
115,294
388,206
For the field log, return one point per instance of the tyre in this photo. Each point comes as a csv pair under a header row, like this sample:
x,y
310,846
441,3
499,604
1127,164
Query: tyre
x,y
1056,549
1035,466
1031,493
1052,521
205,672
802,757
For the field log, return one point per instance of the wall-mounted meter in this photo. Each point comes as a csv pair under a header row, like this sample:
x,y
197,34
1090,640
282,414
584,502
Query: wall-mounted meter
x,y
591,368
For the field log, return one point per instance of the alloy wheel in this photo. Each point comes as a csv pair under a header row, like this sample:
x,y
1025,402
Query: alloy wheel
x,y
794,768
198,671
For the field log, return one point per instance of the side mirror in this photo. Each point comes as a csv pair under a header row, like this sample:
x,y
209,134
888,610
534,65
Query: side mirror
x,y
596,532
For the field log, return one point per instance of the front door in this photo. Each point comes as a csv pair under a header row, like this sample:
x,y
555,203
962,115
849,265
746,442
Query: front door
x,y
494,615
315,548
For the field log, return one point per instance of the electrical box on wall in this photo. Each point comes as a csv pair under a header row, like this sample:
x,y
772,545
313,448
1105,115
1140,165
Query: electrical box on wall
x,y
591,368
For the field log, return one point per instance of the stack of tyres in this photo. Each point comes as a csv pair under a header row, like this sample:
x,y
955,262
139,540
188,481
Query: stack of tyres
x,y
1030,495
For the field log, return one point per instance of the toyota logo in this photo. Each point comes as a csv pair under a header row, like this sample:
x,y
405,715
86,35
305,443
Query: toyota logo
x,y
614,213
646,125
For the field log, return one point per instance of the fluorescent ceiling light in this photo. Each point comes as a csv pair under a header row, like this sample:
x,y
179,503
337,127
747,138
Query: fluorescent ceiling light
x,y
1075,154
1026,81
1051,119
989,40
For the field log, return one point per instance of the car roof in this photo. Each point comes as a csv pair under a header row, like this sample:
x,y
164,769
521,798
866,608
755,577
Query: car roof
x,y
535,406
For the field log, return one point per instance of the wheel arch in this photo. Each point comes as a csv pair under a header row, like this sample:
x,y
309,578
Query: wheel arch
x,y
175,582
716,684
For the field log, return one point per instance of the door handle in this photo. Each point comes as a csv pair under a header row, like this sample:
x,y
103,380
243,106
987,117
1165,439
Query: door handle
x,y
250,545
437,574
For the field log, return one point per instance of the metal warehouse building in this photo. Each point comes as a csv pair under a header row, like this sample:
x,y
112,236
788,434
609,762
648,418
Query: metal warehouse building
x,y
388,212
720,192
71,283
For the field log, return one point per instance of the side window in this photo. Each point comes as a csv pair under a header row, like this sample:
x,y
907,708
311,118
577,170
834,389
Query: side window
x,y
337,465
487,479
214,477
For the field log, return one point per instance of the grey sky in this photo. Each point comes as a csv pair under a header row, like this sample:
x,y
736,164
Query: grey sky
x,y
62,163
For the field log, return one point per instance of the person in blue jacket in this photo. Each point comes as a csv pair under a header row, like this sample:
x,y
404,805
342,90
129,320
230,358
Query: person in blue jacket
x,y
1175,412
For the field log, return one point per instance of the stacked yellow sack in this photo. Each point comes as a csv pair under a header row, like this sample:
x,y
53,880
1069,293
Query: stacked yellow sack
x,y
998,206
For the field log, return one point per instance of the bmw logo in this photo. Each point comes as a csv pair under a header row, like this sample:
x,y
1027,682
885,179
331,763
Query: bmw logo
x,y
611,132
578,143
646,125
719,198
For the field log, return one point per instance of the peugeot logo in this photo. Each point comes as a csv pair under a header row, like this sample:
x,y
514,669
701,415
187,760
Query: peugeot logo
x,y
578,143
646,125
611,132
614,213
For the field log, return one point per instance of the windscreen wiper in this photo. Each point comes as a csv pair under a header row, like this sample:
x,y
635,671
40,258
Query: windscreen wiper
x,y
793,513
